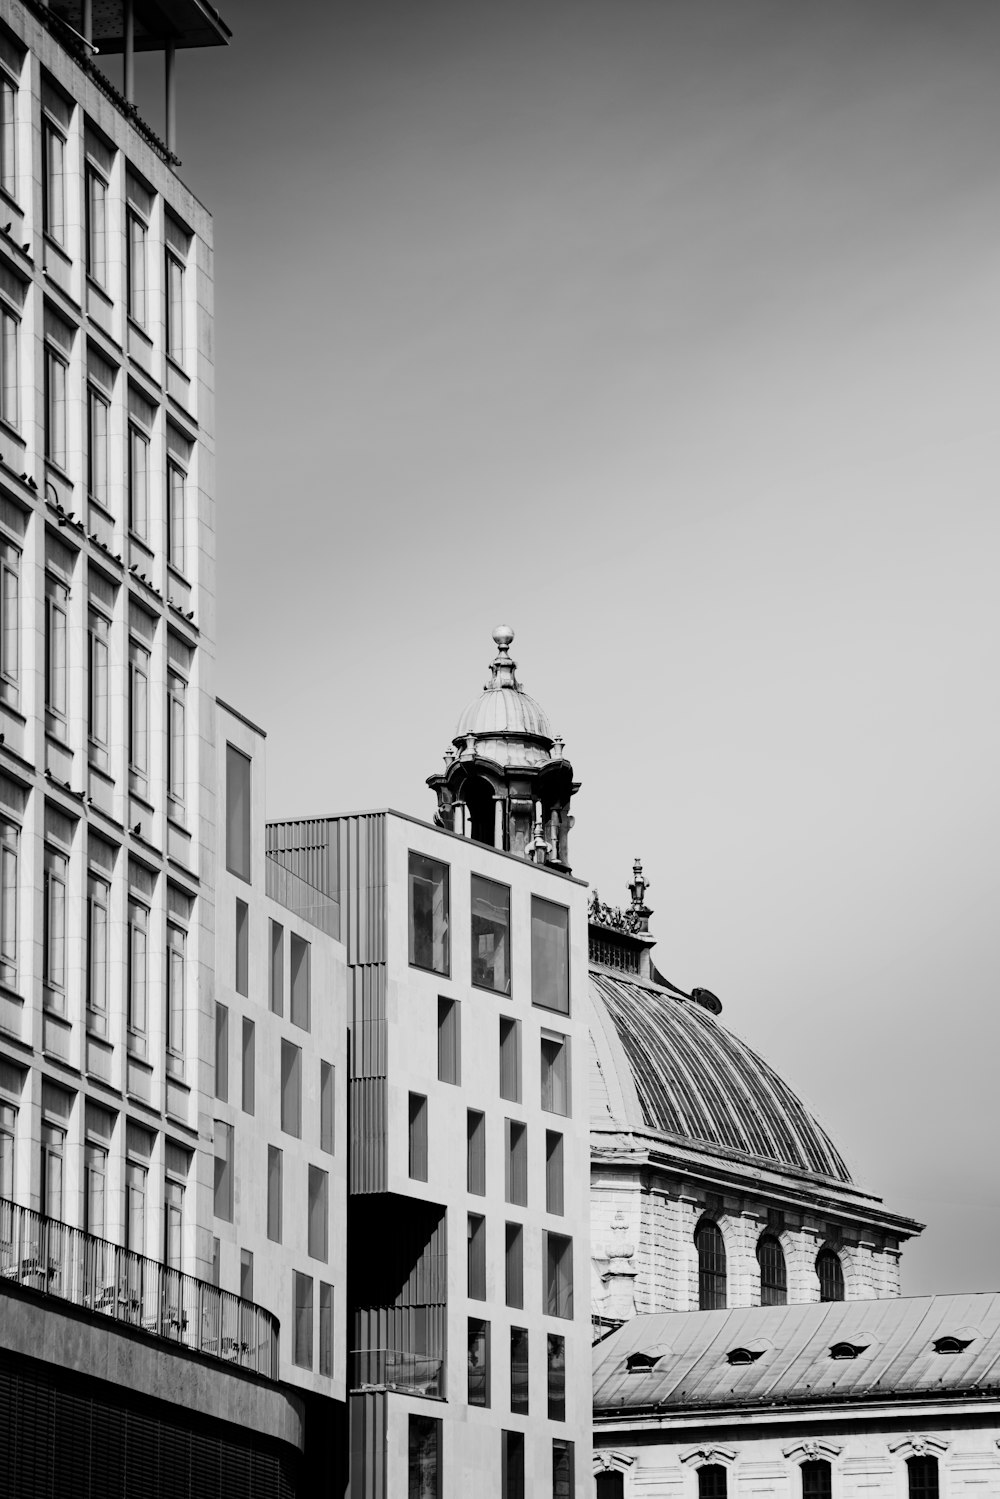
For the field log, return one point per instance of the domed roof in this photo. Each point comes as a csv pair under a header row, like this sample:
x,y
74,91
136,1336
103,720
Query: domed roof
x,y
503,706
678,1070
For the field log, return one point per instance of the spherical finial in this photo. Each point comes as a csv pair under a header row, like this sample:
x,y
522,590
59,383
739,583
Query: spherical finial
x,y
503,636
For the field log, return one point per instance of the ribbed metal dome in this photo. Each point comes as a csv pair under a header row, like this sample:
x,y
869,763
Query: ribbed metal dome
x,y
683,1073
503,710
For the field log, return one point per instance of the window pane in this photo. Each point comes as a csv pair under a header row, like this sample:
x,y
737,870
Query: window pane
x,y
319,1188
326,1104
176,992
816,1480
417,1157
922,1477
97,228
175,517
291,1089
302,1326
325,1329
831,1275
54,196
237,813
277,977
8,137
429,945
98,895
549,955
136,270
299,951
274,1194
97,447
476,1152
249,1065
221,1051
8,901
246,1274
553,1172
510,1059
479,1362
512,1465
477,1257
424,1458
556,1363
516,1173
10,621
138,483
558,1275
519,1370
555,1073
514,1268
490,935
175,309
138,976
242,947
712,1481
223,1170
449,1041
96,1168
9,388
562,1470
773,1279
177,738
711,1266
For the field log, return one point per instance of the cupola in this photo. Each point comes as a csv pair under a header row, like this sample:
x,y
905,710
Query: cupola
x,y
506,780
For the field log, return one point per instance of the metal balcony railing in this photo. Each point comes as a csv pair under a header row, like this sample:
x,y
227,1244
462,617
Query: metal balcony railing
x,y
58,1260
393,1369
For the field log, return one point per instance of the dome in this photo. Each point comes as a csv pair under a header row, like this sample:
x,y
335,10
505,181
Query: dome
x,y
676,1069
503,707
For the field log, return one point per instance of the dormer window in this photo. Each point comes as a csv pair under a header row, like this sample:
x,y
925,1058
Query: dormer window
x,y
743,1355
847,1350
641,1363
951,1345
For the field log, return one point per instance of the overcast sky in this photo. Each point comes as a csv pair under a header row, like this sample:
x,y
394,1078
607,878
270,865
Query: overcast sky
x,y
666,333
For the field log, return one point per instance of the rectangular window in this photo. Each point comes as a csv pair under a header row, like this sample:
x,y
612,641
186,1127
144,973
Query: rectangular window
x,y
176,515
98,416
95,1190
53,183
302,1323
56,651
319,1213
56,371
490,935
98,696
428,904
8,135
276,991
9,837
54,948
138,483
136,269
555,1073
299,955
246,1274
138,977
424,1458
291,1089
556,1358
173,1224
516,1163
216,1271
449,1041
477,1257
222,1052
242,964
8,1133
326,1329
9,380
479,1362
98,901
817,1479
519,1370
553,1172
274,1194
176,742
10,624
175,308
97,227
417,1156
223,1170
53,1155
138,735
326,1107
476,1152
249,1065
510,1059
135,1207
562,1469
238,813
549,955
558,1275
176,994
514,1265
512,1465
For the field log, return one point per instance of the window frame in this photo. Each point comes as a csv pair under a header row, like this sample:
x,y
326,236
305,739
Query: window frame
x,y
10,354
56,432
713,1269
538,953
503,989
444,937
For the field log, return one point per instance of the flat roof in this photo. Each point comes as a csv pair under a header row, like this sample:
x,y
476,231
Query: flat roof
x,y
186,23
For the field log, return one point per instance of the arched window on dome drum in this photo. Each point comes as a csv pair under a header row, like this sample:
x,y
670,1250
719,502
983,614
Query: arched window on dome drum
x,y
831,1275
773,1279
711,1268
922,1477
477,793
817,1479
712,1477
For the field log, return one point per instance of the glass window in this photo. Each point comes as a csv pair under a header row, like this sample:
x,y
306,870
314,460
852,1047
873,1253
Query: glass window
x,y
712,1481
274,1194
10,624
326,1105
516,1162
291,1089
817,1479
326,1329
176,515
98,414
97,227
555,1073
558,1275
711,1249
98,698
53,1155
54,952
249,1065
429,945
512,1464
773,1278
831,1275
8,901
562,1469
242,964
136,269
610,1486
221,1052
135,1207
9,383
138,483
556,1364
479,1361
299,954
514,1265
55,408
8,1131
95,1159
246,1274
138,736
276,993
237,813
8,135
417,1154
224,1170
424,1458
56,647
477,1257
177,743
519,1370
176,992
475,1171
302,1323
175,308
449,1041
319,1213
922,1477
549,955
553,1172
98,901
173,1223
490,935
53,183
510,1059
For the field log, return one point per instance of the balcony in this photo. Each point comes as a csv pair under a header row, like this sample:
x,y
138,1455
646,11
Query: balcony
x,y
393,1369
55,1259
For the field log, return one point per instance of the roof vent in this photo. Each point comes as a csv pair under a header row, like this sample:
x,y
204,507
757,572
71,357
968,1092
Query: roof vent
x,y
743,1355
641,1363
951,1345
848,1350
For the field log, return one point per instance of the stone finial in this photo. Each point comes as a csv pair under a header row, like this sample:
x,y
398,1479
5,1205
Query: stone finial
x,y
619,1278
502,669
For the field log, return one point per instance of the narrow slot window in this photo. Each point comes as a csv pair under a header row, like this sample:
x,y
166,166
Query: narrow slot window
x,y
476,1152
510,1059
516,1164
417,1155
553,1172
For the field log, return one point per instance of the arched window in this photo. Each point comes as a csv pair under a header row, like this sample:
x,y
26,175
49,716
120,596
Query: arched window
x,y
711,1268
831,1276
610,1486
922,1477
712,1477
817,1479
773,1279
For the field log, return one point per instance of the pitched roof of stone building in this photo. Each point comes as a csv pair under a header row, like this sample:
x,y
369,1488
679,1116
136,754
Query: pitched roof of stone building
x,y
906,1347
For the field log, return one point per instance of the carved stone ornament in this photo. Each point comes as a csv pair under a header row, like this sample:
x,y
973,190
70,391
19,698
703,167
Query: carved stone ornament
x,y
920,1446
609,1460
809,1451
701,1457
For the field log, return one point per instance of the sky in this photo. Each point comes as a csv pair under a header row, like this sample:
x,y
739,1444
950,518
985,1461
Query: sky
x,y
665,332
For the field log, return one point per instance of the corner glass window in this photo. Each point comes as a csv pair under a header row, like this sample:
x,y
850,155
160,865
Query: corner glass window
x,y
429,939
549,955
490,935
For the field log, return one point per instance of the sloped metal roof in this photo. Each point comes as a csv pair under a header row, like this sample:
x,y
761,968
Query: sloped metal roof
x,y
697,1081
503,710
899,1360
